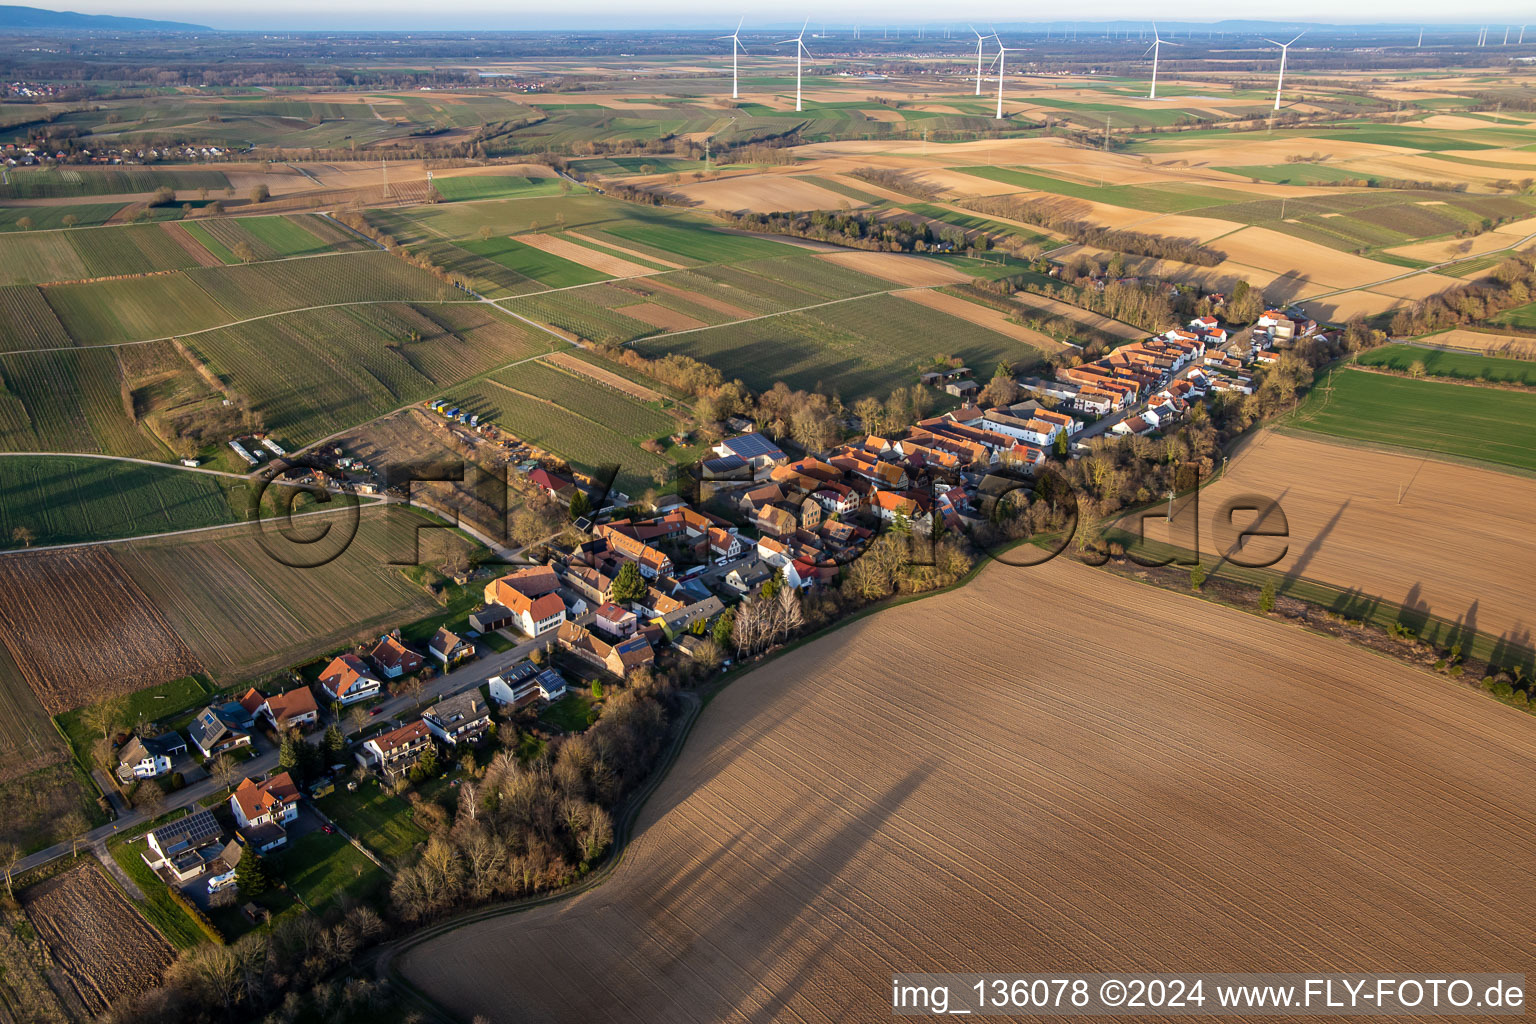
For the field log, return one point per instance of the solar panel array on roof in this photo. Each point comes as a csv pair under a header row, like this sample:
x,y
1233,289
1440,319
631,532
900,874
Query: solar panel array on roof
x,y
750,446
188,833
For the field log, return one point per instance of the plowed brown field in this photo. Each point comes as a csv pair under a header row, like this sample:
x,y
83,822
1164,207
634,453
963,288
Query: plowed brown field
x,y
1047,767
80,629
1450,540
101,947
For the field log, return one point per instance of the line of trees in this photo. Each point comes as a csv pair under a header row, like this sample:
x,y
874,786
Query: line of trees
x,y
1509,285
1049,214
858,230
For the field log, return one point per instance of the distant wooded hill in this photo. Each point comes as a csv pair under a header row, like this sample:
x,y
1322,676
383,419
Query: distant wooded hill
x,y
36,18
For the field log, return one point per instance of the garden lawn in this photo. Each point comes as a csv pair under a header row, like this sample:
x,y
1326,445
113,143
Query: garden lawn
x,y
320,867
381,822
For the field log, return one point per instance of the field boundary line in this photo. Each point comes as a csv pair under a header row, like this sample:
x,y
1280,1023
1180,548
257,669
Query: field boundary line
x,y
253,319
178,533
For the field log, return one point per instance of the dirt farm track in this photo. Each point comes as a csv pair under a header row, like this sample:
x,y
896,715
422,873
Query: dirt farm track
x,y
1048,769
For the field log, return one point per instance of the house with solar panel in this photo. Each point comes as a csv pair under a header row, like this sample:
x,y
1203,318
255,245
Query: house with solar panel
x,y
185,848
756,450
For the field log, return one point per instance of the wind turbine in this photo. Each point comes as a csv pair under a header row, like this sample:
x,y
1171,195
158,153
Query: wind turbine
x,y
800,50
1155,50
736,48
1285,48
1002,52
979,40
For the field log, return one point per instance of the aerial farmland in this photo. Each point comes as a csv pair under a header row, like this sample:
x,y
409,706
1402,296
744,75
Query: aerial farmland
x,y
686,525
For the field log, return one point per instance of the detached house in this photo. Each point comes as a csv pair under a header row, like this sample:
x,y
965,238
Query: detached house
x,y
186,847
449,648
525,683
262,809
393,753
392,658
221,728
460,719
295,709
346,680
136,761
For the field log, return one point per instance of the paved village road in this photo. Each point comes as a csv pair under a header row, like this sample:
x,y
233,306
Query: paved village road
x,y
465,677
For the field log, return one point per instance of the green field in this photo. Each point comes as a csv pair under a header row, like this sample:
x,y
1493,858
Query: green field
x,y
1484,424
499,186
64,183
580,436
68,401
381,822
548,269
1298,174
44,217
1466,365
1153,198
696,242
1520,316
64,500
319,371
582,395
866,346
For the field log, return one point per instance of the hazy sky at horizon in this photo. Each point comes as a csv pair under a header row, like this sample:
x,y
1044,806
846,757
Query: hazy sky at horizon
x,y
393,15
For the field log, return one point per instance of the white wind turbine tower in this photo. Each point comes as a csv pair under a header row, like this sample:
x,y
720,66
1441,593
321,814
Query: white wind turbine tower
x,y
736,48
979,40
1285,48
800,51
1002,52
1155,50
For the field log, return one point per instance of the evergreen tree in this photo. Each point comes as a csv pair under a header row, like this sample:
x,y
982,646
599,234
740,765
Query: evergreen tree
x,y
288,754
335,742
629,585
725,625
581,505
250,875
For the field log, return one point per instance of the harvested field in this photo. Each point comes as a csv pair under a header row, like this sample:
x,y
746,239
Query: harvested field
x,y
1111,799
102,949
763,193
625,250
1517,346
1461,248
587,257
984,316
660,316
911,271
1448,540
566,361
1311,267
42,598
